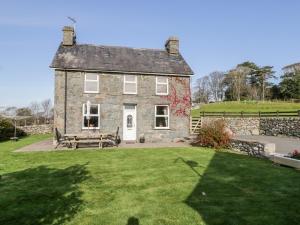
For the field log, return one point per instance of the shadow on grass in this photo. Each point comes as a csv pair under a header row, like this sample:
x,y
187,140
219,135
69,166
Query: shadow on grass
x,y
41,195
133,221
237,189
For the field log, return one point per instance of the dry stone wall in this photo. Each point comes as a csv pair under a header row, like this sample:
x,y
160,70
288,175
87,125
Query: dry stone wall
x,y
280,126
239,126
286,126
38,129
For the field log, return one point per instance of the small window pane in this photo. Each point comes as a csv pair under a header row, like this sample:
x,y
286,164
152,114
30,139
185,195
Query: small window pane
x,y
91,86
94,109
161,110
94,122
130,87
130,78
162,79
161,122
162,88
91,76
129,121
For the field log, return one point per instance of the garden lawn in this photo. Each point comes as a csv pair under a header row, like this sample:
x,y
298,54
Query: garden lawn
x,y
183,186
247,106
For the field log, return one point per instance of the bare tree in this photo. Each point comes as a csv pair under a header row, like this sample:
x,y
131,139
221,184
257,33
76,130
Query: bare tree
x,y
201,90
216,85
236,79
46,105
35,109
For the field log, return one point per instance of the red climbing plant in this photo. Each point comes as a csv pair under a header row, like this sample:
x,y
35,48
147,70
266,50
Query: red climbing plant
x,y
180,104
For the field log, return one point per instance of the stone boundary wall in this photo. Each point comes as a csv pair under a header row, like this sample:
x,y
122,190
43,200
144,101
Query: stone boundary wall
x,y
239,126
253,148
271,126
280,126
38,129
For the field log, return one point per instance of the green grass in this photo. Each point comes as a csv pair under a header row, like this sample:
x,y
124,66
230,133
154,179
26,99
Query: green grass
x,y
182,186
247,106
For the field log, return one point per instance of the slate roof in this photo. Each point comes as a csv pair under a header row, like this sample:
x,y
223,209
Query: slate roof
x,y
119,59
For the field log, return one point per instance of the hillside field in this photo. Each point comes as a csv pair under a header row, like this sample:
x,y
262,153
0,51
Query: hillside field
x,y
247,106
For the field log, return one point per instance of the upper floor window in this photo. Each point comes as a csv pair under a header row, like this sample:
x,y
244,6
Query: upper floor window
x,y
91,83
92,120
162,85
130,84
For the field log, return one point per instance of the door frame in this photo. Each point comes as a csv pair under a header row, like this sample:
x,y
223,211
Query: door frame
x,y
134,121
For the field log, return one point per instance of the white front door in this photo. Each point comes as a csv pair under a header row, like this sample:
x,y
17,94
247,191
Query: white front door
x,y
129,123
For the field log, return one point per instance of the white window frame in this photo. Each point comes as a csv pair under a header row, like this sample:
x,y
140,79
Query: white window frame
x,y
87,80
164,83
84,114
130,82
168,116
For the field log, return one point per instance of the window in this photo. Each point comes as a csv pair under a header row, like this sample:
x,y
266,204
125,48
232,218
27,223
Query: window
x,y
94,121
162,85
162,117
91,83
130,84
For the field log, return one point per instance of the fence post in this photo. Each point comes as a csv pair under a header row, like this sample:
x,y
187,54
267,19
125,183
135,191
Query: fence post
x,y
259,114
277,113
241,113
299,113
224,114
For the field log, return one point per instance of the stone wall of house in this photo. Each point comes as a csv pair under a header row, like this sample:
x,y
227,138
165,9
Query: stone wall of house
x,y
253,148
280,126
38,129
112,100
239,126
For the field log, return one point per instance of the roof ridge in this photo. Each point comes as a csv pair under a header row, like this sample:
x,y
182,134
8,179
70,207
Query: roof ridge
x,y
127,47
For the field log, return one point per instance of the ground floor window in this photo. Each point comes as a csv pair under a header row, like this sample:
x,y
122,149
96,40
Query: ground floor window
x,y
91,121
162,116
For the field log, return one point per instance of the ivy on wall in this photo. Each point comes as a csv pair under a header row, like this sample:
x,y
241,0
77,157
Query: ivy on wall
x,y
179,97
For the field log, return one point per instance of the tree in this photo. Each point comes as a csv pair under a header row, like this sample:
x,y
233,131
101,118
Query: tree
x,y
202,91
235,80
35,109
216,85
46,105
290,85
264,74
24,111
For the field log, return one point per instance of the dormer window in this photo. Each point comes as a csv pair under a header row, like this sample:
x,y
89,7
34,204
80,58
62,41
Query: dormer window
x,y
162,86
130,84
91,83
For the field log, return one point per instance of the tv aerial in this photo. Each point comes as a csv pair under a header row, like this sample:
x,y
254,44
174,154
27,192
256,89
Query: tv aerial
x,y
73,21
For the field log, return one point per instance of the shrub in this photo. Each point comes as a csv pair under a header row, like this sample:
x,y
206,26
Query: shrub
x,y
295,154
214,135
7,130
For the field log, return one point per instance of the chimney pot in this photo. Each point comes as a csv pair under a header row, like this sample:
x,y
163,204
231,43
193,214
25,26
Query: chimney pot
x,y
69,37
172,45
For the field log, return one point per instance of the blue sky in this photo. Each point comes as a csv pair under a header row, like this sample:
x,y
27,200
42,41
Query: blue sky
x,y
214,35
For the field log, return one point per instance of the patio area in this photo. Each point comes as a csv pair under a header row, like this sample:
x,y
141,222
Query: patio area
x,y
47,145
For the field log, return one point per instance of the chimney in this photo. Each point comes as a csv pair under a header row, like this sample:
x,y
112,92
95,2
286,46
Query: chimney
x,y
172,46
69,37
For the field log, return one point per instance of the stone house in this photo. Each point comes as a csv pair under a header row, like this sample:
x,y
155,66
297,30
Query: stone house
x,y
144,92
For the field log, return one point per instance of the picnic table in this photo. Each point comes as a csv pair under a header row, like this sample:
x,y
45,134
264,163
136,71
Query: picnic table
x,y
73,140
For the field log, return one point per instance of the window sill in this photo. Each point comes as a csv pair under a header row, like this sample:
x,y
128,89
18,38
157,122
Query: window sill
x,y
159,94
129,93
161,128
91,92
91,128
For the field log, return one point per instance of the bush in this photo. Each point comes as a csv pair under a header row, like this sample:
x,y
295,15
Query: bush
x,y
7,130
214,135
